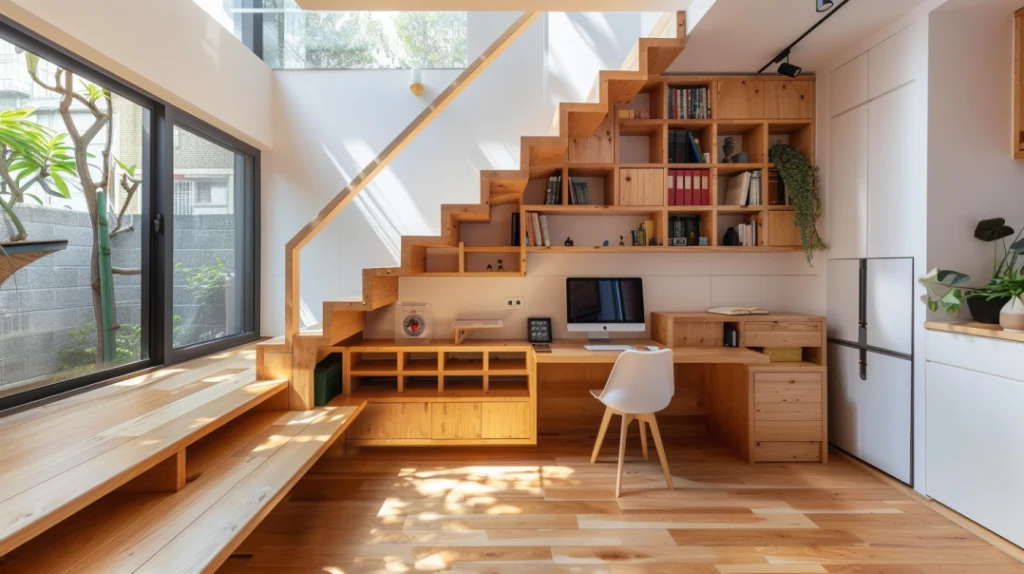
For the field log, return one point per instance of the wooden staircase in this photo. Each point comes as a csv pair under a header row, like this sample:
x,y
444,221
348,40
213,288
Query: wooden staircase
x,y
294,355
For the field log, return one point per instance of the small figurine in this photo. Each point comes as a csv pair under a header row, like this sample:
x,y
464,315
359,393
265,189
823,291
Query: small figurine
x,y
727,148
621,241
569,242
500,266
490,267
605,243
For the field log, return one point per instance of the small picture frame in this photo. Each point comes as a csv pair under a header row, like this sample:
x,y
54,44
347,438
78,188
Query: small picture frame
x,y
677,241
538,329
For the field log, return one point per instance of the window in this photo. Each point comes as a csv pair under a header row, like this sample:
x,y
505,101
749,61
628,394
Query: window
x,y
174,199
288,37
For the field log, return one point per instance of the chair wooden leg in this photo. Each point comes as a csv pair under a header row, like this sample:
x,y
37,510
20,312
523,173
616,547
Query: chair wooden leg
x,y
600,433
643,437
622,454
660,447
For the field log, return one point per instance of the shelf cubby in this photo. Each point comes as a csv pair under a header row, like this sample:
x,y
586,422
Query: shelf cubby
x,y
415,364
733,217
797,133
600,180
749,137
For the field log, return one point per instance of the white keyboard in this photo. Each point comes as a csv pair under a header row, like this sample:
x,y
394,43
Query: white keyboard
x,y
608,347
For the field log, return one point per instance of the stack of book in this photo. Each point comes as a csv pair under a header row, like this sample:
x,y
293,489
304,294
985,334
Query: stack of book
x,y
634,115
554,195
749,233
579,192
744,189
644,234
537,230
689,187
688,103
685,230
776,189
684,147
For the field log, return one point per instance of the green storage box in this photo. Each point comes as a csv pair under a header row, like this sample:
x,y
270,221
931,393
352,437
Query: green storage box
x,y
327,380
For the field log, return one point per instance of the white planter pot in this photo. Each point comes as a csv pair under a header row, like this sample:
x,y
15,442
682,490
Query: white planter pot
x,y
1011,318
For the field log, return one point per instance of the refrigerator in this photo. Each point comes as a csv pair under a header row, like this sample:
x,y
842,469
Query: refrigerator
x,y
870,309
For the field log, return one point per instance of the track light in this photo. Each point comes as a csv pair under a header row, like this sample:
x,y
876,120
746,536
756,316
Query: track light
x,y
787,69
824,5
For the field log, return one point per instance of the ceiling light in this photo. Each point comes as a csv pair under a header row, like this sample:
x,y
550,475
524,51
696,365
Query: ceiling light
x,y
824,5
787,69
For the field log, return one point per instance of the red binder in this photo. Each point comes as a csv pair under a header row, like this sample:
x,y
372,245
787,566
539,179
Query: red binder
x,y
688,187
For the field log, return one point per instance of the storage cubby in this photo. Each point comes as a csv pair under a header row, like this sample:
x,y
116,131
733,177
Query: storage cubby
x,y
678,226
374,385
725,174
508,386
455,363
599,185
506,363
495,233
749,137
680,90
537,187
506,261
591,231
678,150
797,133
422,385
642,142
734,218
463,383
374,363
441,260
414,363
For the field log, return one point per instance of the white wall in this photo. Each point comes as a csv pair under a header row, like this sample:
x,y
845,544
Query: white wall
x,y
170,48
971,171
329,124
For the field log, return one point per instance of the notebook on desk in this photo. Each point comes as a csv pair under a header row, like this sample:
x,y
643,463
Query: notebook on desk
x,y
738,311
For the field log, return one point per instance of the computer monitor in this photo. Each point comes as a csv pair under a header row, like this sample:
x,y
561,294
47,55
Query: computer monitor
x,y
604,305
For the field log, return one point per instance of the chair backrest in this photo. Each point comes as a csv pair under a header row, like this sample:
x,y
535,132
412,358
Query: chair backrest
x,y
640,382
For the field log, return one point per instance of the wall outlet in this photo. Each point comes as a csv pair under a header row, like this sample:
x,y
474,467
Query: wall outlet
x,y
514,303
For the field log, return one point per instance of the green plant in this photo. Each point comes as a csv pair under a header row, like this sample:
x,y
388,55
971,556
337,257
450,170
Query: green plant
x,y
802,183
206,282
1006,274
128,345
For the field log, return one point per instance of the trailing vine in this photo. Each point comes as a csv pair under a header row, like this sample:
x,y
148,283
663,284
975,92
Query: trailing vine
x,y
801,180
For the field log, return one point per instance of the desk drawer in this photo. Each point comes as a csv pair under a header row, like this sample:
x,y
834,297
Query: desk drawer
x,y
781,334
787,388
803,451
787,431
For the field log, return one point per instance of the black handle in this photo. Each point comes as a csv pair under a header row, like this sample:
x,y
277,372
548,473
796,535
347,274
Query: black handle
x,y
863,364
158,223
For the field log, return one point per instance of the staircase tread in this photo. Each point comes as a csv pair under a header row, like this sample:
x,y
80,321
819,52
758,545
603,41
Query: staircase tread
x,y
57,465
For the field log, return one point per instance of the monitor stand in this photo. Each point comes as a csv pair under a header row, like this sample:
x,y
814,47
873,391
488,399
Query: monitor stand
x,y
599,336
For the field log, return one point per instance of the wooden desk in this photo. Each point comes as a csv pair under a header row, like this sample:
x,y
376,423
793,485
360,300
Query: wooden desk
x,y
573,352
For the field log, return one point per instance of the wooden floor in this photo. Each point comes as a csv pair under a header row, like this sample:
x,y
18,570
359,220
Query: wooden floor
x,y
546,509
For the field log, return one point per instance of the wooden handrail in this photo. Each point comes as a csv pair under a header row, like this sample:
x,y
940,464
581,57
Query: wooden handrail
x,y
295,245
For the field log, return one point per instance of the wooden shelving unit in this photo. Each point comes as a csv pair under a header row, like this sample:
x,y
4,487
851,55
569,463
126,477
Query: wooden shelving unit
x,y
626,165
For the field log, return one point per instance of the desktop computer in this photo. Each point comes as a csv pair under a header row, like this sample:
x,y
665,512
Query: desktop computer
x,y
600,306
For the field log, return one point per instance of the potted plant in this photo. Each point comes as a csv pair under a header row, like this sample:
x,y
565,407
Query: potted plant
x,y
31,155
985,303
801,179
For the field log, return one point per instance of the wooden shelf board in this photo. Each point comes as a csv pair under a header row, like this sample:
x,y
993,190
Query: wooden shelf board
x,y
690,165
739,209
594,209
468,274
690,208
507,367
639,127
419,367
593,248
692,123
503,395
642,165
788,367
974,328
729,168
363,368
463,367
491,249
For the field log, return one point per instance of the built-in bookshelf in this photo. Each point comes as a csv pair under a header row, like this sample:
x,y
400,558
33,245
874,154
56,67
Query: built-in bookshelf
x,y
628,167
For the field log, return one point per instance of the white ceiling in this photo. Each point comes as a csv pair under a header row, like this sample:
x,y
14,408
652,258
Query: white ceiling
x,y
477,5
740,36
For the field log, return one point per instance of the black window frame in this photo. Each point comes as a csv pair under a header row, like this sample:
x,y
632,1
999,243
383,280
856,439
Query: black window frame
x,y
156,198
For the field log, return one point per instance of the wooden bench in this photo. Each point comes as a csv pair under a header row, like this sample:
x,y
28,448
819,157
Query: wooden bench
x,y
57,459
235,477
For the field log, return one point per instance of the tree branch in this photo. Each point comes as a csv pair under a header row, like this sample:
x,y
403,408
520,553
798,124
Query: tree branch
x,y
126,271
129,194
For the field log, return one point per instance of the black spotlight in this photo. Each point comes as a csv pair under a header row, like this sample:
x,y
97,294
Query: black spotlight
x,y
824,5
787,69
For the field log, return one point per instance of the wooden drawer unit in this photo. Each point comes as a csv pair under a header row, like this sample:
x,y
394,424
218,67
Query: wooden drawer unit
x,y
766,411
781,334
456,421
392,421
787,430
787,388
804,451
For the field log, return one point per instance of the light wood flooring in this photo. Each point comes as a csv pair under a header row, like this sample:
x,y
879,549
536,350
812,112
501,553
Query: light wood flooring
x,y
546,509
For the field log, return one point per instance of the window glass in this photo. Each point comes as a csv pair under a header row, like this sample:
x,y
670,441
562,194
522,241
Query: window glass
x,y
70,172
208,187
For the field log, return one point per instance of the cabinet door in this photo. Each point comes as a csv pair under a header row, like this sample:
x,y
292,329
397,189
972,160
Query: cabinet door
x,y
843,299
507,420
890,304
898,60
896,178
870,419
392,421
848,85
847,206
789,100
740,99
641,186
456,421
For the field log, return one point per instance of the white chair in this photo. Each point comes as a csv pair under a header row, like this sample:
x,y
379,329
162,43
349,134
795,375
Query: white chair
x,y
641,383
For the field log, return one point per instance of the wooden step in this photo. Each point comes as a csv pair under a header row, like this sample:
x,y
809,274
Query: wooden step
x,y
503,186
380,288
235,478
52,467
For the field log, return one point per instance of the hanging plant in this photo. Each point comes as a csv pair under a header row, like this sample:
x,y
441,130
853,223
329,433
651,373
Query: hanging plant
x,y
801,180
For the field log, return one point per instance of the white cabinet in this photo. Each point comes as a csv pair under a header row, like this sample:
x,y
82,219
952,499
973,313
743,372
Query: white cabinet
x,y
848,85
896,197
870,418
843,299
975,433
847,206
898,59
890,304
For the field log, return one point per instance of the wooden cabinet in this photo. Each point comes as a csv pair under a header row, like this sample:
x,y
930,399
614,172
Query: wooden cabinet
x,y
781,231
392,421
740,99
641,186
788,416
781,334
507,420
789,99
455,421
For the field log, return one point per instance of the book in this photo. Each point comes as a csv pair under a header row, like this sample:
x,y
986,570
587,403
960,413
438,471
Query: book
x,y
754,189
732,311
515,229
694,149
538,239
545,236
737,188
